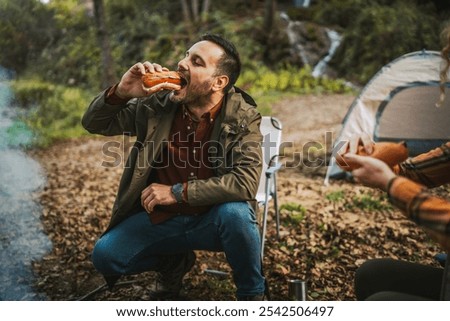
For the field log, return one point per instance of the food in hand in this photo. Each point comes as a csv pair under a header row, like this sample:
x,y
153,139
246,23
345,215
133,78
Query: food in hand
x,y
152,79
390,153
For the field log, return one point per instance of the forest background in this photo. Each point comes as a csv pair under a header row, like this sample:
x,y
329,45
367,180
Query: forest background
x,y
61,52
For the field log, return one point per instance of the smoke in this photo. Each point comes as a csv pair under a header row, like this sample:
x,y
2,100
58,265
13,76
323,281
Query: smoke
x,y
21,234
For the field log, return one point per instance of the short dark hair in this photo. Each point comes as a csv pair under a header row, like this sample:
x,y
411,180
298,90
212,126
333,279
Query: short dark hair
x,y
230,63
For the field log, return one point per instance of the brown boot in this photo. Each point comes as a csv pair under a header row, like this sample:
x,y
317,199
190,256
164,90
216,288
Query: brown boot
x,y
170,274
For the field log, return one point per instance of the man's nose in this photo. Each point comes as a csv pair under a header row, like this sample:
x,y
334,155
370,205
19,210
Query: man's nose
x,y
182,65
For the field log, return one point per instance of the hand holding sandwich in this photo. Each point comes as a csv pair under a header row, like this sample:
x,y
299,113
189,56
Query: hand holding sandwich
x,y
132,83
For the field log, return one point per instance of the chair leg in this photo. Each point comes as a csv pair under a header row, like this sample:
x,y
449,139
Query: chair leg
x,y
275,203
264,229
264,218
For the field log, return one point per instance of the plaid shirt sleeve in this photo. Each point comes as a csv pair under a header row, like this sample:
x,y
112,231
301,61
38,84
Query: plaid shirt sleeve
x,y
430,169
410,194
428,211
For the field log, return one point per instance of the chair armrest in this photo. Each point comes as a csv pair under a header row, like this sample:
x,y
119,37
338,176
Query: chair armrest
x,y
272,169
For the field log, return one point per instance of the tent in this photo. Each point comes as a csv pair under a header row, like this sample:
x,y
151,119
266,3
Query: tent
x,y
399,104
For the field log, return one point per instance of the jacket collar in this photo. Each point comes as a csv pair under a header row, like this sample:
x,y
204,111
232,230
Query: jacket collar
x,y
232,114
247,98
233,103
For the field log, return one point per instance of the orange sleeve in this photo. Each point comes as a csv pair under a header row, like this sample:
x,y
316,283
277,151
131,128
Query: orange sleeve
x,y
430,212
430,169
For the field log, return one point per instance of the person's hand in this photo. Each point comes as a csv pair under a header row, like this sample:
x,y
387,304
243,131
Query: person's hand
x,y
355,141
352,146
372,172
130,86
157,194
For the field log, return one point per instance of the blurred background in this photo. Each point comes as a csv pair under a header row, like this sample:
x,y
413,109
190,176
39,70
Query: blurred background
x,y
60,52
303,61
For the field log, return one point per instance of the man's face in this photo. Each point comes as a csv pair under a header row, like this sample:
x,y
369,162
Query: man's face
x,y
198,69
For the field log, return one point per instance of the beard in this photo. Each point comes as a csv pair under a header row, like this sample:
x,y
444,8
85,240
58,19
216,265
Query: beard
x,y
192,94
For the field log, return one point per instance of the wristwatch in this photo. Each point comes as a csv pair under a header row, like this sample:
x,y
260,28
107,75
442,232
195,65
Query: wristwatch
x,y
177,191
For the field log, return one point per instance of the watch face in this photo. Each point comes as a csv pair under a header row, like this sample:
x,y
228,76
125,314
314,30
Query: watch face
x,y
177,191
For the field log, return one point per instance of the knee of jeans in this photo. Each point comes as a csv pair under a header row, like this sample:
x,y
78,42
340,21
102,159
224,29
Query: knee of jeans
x,y
235,212
101,257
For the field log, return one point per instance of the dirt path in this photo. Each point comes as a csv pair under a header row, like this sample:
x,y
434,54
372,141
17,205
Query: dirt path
x,y
326,231
309,118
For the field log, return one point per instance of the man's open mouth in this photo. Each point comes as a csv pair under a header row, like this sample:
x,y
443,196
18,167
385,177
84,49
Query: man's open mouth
x,y
184,82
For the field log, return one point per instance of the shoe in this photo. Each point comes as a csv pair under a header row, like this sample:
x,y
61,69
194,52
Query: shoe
x,y
111,280
170,274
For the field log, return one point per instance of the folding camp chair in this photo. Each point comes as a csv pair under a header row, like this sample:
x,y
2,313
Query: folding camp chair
x,y
267,190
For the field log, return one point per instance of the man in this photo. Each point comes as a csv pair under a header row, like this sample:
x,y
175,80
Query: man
x,y
191,175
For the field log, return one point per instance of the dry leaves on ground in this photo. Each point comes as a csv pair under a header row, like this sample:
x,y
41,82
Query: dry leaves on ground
x,y
326,233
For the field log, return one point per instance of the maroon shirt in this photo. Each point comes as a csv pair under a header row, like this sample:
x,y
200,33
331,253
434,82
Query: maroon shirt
x,y
185,158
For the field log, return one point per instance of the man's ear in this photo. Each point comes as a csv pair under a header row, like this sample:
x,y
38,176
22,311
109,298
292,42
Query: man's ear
x,y
220,82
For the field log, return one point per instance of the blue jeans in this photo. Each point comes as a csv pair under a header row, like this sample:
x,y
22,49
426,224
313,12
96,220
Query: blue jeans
x,y
134,245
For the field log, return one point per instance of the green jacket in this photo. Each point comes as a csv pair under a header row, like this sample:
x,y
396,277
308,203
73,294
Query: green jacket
x,y
236,154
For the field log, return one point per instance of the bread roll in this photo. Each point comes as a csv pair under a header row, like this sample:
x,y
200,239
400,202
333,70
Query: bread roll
x,y
390,153
153,79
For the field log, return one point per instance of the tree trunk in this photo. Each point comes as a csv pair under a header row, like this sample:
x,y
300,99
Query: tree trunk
x,y
269,13
186,13
205,10
195,9
187,17
108,76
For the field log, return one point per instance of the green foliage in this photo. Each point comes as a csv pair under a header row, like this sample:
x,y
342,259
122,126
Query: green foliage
x,y
23,32
267,86
54,111
243,31
378,32
57,42
64,49
293,80
368,202
295,212
335,196
30,93
143,30
74,56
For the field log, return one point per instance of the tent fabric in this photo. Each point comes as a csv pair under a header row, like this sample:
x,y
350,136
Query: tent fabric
x,y
411,116
399,104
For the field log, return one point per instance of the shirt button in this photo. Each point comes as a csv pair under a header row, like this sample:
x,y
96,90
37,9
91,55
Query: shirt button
x,y
194,151
189,127
192,174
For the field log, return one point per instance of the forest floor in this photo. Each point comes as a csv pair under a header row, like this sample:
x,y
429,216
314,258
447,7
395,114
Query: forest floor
x,y
326,231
